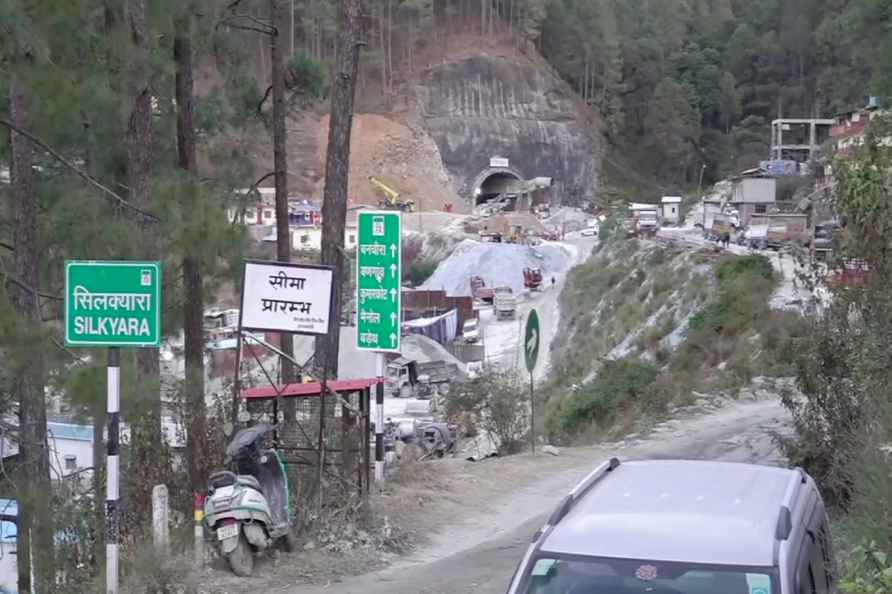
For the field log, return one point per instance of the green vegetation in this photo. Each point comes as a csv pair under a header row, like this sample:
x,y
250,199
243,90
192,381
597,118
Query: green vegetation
x,y
420,270
624,304
490,403
308,76
683,83
844,423
620,384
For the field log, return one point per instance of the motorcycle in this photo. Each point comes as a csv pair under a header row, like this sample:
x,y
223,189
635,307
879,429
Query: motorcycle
x,y
249,510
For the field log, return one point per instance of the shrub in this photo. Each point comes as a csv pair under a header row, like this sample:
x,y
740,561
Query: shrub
x,y
490,403
619,383
421,270
308,76
868,572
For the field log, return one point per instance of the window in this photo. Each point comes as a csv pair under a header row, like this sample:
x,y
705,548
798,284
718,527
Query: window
x,y
8,531
305,238
351,239
70,463
610,576
267,214
761,208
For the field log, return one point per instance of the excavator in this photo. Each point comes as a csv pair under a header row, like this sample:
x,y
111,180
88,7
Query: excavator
x,y
392,197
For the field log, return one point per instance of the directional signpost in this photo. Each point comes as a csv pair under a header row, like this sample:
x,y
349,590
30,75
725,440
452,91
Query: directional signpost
x,y
112,304
378,281
530,355
378,299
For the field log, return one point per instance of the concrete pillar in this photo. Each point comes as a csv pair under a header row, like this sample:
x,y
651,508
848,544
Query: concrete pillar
x,y
161,519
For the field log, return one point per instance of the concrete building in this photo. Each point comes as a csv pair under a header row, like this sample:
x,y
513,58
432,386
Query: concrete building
x,y
799,139
671,209
752,193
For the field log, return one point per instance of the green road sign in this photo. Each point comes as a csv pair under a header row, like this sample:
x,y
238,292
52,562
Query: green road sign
x,y
378,274
112,304
531,341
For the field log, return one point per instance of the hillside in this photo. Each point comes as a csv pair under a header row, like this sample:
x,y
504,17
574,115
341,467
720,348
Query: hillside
x,y
456,106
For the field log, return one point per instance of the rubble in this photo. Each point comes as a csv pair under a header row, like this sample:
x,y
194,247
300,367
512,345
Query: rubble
x,y
550,449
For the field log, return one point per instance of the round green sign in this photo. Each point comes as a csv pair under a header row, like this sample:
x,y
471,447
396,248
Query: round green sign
x,y
531,341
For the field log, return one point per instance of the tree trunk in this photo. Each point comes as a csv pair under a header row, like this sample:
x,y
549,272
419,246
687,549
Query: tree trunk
x,y
35,516
280,166
337,168
145,430
193,304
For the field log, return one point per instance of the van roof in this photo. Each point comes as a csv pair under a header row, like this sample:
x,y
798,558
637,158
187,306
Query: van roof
x,y
721,513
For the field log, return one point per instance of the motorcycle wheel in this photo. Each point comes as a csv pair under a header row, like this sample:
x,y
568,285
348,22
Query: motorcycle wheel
x,y
241,560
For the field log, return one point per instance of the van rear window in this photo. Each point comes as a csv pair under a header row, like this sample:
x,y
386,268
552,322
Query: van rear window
x,y
611,576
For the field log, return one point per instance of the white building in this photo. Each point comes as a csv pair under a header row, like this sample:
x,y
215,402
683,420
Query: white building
x,y
671,208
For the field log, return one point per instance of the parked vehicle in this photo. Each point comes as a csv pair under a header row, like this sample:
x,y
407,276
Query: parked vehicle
x,y
755,237
683,527
470,331
480,291
532,278
249,509
505,303
406,378
647,222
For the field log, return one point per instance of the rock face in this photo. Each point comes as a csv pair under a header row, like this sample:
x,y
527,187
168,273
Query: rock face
x,y
481,107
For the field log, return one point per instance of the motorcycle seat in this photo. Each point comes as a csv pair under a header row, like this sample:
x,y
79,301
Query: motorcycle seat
x,y
250,482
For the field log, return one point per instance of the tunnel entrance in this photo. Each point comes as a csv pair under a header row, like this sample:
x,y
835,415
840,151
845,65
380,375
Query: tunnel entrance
x,y
494,185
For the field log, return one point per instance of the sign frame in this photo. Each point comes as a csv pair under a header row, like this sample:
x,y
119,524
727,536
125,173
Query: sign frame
x,y
399,275
158,293
276,264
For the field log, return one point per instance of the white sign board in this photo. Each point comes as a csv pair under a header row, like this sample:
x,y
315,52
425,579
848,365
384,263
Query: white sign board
x,y
498,162
286,297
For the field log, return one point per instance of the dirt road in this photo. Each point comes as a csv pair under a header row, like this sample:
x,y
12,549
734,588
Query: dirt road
x,y
478,554
503,339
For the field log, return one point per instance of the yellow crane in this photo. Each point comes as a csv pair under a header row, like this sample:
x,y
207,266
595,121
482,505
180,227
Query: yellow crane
x,y
392,199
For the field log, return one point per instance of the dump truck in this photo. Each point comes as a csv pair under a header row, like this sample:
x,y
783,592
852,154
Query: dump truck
x,y
480,291
505,303
407,378
532,278
392,198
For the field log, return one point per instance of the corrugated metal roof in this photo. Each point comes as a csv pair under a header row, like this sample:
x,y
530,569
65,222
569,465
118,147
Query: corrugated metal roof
x,y
70,431
310,389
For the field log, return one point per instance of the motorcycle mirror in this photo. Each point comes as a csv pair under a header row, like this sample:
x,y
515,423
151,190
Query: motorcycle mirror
x,y
227,429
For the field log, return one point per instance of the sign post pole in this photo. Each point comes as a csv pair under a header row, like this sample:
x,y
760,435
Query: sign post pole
x,y
379,418
379,301
112,466
530,355
112,304
532,417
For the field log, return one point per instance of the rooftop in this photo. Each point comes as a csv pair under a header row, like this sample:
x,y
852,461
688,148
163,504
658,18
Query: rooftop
x,y
719,513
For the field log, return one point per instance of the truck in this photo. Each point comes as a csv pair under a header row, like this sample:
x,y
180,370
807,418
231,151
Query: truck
x,y
407,378
505,303
721,225
480,291
647,222
532,278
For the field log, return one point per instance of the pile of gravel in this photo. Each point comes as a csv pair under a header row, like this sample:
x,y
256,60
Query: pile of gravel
x,y
500,264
